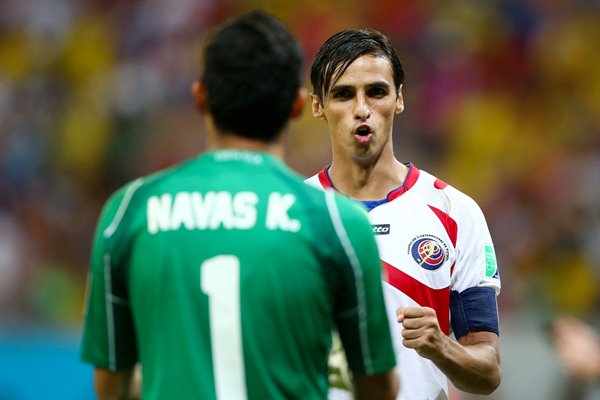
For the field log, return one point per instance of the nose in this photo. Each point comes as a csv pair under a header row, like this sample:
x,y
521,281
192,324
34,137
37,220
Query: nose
x,y
361,109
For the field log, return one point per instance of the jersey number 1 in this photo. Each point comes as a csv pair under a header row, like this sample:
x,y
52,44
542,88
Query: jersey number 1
x,y
220,280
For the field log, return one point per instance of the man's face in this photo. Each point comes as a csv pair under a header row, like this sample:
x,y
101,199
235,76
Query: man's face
x,y
360,108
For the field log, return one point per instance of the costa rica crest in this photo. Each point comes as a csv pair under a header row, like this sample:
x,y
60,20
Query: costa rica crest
x,y
429,251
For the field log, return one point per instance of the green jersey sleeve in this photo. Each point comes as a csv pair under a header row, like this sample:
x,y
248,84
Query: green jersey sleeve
x,y
108,336
361,317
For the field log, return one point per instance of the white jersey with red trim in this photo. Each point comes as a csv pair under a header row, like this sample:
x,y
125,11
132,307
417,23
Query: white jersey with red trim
x,y
432,239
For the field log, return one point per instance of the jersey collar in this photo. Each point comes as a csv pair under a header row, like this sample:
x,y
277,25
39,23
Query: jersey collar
x,y
241,156
409,182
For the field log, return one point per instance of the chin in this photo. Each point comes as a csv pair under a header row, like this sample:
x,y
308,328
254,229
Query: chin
x,y
365,157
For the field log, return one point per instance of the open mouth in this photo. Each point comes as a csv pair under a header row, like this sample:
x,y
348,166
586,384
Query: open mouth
x,y
363,134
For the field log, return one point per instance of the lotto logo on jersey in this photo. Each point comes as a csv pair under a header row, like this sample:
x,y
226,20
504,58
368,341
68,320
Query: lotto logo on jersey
x,y
429,251
383,229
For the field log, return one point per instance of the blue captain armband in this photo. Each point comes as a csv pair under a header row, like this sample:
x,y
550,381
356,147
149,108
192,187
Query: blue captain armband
x,y
474,310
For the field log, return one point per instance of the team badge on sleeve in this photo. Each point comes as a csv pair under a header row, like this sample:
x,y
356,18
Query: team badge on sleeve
x,y
429,251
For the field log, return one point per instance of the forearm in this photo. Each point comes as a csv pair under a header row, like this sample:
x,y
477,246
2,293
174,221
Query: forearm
x,y
382,386
112,385
473,365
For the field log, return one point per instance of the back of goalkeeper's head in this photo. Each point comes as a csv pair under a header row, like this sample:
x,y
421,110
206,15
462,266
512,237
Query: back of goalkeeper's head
x,y
252,72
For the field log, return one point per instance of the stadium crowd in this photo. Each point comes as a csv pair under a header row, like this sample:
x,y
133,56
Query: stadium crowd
x,y
502,99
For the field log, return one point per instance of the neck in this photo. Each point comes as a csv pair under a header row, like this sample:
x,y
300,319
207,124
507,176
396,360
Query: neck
x,y
371,180
230,141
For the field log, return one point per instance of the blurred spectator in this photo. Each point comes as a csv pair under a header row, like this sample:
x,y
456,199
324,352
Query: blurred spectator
x,y
578,348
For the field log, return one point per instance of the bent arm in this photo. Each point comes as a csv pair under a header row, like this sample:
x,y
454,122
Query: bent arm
x,y
112,385
380,386
472,363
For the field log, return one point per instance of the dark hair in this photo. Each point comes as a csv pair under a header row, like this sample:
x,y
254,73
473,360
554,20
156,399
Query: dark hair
x,y
252,71
340,50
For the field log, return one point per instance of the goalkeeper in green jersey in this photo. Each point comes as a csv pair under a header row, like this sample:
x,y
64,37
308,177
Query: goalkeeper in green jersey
x,y
225,275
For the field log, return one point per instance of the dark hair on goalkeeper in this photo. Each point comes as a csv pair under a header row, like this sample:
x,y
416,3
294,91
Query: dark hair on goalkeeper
x,y
252,71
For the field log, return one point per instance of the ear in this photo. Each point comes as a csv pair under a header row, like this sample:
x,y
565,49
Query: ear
x,y
317,109
399,101
299,103
200,96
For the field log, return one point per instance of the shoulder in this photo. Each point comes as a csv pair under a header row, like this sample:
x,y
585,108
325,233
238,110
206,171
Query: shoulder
x,y
126,200
313,181
320,180
346,206
350,212
133,189
447,197
118,202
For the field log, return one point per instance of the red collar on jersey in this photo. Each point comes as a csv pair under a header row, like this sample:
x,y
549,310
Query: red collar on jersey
x,y
409,182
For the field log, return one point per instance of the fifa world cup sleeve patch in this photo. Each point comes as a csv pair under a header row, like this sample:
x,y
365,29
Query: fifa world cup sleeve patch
x,y
491,265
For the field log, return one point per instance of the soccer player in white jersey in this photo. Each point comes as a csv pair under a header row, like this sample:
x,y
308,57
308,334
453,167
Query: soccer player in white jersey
x,y
434,243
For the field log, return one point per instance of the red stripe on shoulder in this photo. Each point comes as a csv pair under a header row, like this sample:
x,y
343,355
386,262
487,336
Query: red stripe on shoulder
x,y
324,178
438,299
409,182
449,224
439,184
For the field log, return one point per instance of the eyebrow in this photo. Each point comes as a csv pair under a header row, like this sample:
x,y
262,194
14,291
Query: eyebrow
x,y
338,88
377,84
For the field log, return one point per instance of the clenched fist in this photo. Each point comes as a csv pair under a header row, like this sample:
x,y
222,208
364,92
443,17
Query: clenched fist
x,y
421,330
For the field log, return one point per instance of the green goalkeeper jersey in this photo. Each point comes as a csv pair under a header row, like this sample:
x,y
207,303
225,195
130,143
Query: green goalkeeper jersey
x,y
225,276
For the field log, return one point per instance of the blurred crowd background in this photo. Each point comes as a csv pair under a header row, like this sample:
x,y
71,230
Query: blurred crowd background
x,y
502,101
